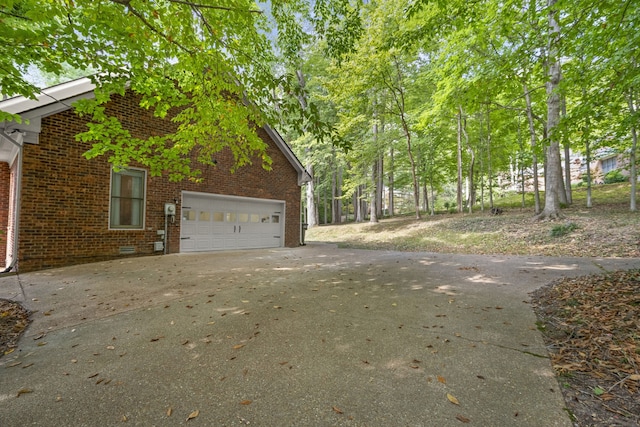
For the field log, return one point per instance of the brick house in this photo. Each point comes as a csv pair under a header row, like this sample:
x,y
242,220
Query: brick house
x,y
58,208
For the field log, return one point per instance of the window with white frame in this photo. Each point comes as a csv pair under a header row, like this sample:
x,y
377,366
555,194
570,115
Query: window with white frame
x,y
127,199
609,164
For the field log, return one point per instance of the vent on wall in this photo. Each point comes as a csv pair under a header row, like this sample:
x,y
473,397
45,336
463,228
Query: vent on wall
x,y
126,250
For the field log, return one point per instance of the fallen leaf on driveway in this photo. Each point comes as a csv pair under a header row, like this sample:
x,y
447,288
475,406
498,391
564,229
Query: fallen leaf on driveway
x,y
441,379
452,399
337,410
193,415
462,418
246,402
24,391
237,346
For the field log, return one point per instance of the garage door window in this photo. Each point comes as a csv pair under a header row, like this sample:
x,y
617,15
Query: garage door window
x,y
127,199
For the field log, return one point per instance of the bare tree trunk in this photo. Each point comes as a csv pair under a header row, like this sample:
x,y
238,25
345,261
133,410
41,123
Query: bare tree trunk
x,y
380,187
397,91
380,173
534,156
471,190
632,156
553,179
373,217
567,161
312,219
459,162
338,196
588,155
325,205
489,165
391,185
357,206
375,170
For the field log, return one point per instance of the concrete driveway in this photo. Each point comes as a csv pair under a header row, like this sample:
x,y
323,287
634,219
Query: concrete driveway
x,y
314,336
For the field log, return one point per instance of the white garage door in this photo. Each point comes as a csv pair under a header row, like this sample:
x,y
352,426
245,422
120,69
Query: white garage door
x,y
211,222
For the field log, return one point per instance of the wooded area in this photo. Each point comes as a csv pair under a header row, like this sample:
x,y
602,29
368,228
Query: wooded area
x,y
394,105
442,102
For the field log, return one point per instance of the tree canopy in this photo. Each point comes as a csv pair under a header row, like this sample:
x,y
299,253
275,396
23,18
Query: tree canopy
x,y
212,65
440,101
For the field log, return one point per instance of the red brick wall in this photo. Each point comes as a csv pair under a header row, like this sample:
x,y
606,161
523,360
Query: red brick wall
x,y
65,198
5,181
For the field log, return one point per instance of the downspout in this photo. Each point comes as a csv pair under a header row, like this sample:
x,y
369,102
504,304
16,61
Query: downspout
x,y
18,142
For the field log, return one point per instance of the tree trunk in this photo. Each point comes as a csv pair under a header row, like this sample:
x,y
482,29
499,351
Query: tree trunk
x,y
632,156
357,206
312,219
567,161
471,190
373,217
489,165
391,185
459,161
553,179
588,155
337,201
380,187
534,156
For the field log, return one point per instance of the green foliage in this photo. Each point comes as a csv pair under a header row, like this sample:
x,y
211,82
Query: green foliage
x,y
614,177
563,229
209,66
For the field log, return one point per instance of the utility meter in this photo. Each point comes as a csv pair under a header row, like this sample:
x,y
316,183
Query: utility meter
x,y
170,209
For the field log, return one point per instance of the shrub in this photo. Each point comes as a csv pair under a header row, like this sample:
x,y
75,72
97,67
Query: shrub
x,y
563,229
615,176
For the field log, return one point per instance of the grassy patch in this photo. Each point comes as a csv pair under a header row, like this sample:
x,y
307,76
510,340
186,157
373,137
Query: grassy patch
x,y
607,229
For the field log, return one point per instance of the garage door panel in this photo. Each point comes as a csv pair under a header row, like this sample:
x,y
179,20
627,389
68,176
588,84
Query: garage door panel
x,y
212,222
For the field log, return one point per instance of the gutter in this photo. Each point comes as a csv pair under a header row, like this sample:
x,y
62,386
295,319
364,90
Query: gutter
x,y
18,142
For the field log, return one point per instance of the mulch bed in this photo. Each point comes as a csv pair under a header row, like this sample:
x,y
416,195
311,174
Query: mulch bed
x,y
591,325
14,319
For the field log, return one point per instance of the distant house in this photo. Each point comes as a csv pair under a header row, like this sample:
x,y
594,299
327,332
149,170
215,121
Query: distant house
x,y
57,208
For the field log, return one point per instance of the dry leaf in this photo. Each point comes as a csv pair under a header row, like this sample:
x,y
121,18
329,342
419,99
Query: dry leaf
x,y
169,412
246,402
452,399
193,415
24,391
634,377
441,379
237,346
462,418
337,410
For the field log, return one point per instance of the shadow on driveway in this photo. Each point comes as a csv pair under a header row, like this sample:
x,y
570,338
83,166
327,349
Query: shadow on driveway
x,y
313,336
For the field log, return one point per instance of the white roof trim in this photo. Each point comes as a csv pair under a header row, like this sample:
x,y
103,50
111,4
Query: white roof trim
x,y
52,95
303,175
